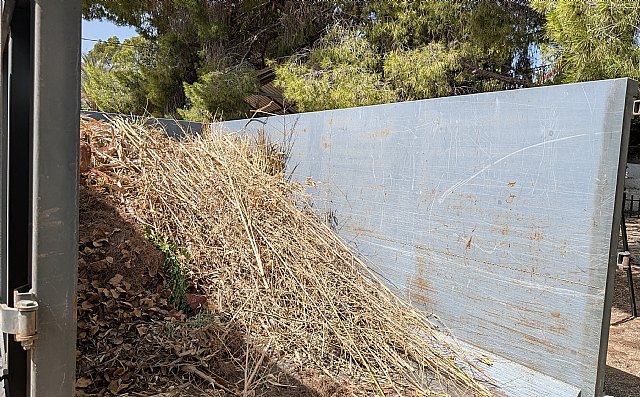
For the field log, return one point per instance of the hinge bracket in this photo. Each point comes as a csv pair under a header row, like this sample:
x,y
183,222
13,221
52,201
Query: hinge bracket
x,y
636,108
21,320
623,258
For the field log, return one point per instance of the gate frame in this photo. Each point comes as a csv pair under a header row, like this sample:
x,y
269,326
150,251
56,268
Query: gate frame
x,y
39,148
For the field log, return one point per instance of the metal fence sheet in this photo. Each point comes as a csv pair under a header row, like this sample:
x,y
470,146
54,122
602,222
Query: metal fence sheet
x,y
495,211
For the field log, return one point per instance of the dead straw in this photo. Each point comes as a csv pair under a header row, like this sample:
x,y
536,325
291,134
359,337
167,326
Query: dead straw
x,y
262,256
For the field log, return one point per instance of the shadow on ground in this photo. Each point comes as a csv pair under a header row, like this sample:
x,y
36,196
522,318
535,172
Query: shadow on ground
x,y
621,384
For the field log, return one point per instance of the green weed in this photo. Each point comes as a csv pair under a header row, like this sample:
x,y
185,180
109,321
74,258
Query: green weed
x,y
175,260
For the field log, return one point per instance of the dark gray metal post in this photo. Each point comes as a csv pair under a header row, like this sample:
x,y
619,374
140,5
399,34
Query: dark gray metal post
x,y
4,214
19,165
55,191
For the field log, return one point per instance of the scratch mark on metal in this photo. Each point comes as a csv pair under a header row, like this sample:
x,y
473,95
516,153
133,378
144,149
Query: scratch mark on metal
x,y
503,158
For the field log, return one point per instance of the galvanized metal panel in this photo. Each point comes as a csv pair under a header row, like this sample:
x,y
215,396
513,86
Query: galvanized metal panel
x,y
513,379
495,211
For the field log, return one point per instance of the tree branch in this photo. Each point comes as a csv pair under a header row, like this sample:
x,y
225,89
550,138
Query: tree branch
x,y
492,75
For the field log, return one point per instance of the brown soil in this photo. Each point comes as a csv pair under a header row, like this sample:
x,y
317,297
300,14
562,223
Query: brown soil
x,y
622,377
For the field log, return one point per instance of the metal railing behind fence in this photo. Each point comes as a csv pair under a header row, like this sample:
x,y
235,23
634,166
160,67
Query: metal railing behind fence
x,y
631,205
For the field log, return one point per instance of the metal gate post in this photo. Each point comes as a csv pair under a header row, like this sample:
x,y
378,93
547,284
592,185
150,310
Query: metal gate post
x,y
18,184
39,139
4,151
56,116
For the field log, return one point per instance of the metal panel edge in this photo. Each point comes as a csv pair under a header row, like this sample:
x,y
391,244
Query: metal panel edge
x,y
172,127
632,92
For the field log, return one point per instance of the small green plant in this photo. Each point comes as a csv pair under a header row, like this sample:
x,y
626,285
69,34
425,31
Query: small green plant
x,y
175,260
170,329
201,320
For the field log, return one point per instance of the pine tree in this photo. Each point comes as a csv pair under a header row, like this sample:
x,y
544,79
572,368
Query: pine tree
x,y
204,46
592,40
384,51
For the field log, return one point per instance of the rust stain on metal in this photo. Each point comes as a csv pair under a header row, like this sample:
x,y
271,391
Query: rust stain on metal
x,y
537,235
448,252
419,285
471,197
563,248
310,182
545,344
325,142
370,233
511,184
559,325
359,229
379,134
468,245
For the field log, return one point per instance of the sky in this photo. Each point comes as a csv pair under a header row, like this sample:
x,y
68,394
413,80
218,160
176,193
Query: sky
x,y
102,30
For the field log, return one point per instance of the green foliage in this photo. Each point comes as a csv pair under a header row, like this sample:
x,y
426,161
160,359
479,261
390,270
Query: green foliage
x,y
341,46
175,262
423,72
196,321
591,40
383,51
203,44
411,24
202,320
122,12
341,73
339,87
216,91
332,54
113,77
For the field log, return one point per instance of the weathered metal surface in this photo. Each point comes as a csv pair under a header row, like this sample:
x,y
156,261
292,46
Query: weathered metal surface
x,y
513,379
495,211
54,232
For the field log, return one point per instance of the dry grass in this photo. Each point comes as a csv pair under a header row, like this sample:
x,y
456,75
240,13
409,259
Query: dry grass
x,y
265,259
